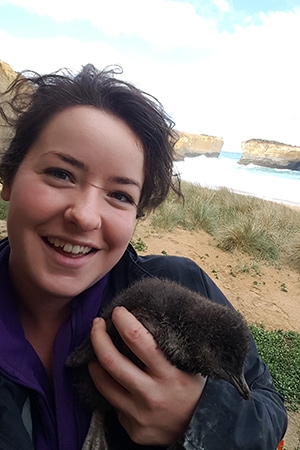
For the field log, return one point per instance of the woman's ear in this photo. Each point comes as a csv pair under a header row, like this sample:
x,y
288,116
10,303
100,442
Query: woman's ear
x,y
5,192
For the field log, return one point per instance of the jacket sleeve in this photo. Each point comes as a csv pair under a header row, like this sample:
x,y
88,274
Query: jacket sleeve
x,y
223,420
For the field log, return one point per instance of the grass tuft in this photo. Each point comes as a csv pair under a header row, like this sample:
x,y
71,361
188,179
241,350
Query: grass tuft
x,y
292,257
249,237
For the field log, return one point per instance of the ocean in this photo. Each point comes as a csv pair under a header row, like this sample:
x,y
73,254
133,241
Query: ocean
x,y
278,185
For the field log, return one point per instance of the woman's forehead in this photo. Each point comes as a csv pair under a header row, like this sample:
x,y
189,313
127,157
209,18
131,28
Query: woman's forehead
x,y
90,139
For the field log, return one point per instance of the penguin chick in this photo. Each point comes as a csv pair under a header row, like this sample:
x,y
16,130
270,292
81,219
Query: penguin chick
x,y
195,334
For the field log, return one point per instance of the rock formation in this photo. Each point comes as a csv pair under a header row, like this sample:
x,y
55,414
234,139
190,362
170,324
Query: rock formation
x,y
7,75
197,145
270,154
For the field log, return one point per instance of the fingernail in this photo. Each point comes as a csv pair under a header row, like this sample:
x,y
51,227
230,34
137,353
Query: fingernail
x,y
97,320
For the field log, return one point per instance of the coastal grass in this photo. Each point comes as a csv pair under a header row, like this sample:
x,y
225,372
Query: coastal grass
x,y
265,230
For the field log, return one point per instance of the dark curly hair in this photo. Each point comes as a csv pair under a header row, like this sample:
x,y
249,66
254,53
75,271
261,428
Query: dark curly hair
x,y
35,99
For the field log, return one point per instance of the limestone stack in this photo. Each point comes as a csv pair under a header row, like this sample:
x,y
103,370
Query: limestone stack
x,y
270,154
191,145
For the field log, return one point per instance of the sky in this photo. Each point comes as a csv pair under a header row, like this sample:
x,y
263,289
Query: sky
x,y
227,68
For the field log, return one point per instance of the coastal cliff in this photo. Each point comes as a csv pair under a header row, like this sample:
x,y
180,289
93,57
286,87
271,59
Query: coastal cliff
x,y
270,154
7,75
198,144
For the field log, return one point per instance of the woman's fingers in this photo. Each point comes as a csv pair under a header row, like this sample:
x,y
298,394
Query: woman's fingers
x,y
118,366
140,341
113,391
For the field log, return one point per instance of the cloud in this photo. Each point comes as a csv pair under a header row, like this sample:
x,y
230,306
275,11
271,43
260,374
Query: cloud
x,y
223,5
163,24
239,85
49,54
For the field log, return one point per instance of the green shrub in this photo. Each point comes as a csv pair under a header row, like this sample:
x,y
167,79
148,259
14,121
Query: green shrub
x,y
3,209
280,350
139,245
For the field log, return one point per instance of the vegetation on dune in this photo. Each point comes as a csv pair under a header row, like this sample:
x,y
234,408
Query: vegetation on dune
x,y
265,230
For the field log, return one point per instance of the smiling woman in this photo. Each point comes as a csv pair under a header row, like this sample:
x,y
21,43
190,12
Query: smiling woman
x,y
79,200
89,155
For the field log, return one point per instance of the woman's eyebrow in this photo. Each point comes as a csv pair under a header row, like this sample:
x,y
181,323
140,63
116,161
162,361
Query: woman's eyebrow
x,y
70,160
73,161
126,181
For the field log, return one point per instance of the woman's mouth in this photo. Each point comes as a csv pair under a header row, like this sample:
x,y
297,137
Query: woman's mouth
x,y
67,247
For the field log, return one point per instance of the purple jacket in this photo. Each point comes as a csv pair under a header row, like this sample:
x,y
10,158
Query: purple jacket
x,y
59,422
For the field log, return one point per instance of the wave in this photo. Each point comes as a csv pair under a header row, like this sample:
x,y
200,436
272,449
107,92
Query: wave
x,y
270,184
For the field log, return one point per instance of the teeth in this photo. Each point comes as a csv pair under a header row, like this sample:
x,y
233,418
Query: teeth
x,y
69,248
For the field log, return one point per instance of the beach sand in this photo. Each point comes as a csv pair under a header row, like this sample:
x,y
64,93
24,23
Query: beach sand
x,y
266,295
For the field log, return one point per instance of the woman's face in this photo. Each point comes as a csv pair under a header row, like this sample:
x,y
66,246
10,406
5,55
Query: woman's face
x,y
73,202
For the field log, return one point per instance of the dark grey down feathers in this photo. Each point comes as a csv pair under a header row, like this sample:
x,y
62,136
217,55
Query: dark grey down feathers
x,y
195,334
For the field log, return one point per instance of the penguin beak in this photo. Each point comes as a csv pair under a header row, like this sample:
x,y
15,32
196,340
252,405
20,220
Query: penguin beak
x,y
241,385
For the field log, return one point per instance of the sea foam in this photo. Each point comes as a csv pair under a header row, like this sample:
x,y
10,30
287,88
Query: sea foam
x,y
281,186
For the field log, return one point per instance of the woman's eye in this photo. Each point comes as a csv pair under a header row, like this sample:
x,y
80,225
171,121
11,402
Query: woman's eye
x,y
122,197
59,174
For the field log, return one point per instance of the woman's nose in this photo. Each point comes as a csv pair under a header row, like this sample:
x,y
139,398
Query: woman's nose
x,y
84,210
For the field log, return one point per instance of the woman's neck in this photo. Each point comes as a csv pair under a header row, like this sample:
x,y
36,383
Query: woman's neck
x,y
41,319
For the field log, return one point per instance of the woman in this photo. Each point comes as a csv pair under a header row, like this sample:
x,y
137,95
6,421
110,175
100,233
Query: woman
x,y
90,155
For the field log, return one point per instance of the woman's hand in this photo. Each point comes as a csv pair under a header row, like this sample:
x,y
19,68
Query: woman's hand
x,y
154,405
